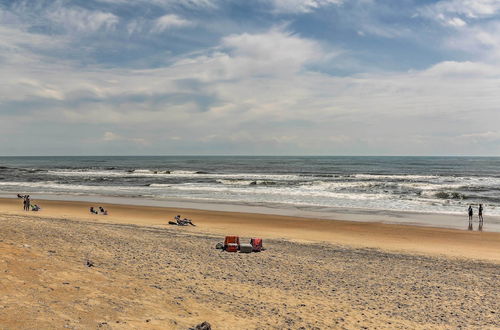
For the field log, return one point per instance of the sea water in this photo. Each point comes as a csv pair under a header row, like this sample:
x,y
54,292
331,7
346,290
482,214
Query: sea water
x,y
416,184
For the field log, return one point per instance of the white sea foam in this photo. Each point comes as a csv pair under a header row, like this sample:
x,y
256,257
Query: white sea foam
x,y
318,184
176,174
180,172
394,177
236,182
139,171
82,173
54,186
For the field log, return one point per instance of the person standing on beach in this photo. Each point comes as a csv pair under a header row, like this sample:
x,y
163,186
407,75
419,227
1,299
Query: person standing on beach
x,y
28,202
480,213
471,213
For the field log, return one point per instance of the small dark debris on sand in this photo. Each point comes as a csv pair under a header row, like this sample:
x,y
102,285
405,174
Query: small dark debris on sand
x,y
202,326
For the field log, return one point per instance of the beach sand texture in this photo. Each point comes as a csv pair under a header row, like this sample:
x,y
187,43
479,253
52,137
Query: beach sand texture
x,y
399,238
146,274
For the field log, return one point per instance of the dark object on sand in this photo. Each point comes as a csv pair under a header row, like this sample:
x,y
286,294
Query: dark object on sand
x,y
246,248
202,326
172,223
89,263
219,246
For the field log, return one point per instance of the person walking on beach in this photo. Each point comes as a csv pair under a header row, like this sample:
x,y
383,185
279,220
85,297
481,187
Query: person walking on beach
x,y
480,213
471,213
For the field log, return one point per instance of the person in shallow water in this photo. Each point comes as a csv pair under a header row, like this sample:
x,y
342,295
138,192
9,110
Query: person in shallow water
x,y
480,213
471,213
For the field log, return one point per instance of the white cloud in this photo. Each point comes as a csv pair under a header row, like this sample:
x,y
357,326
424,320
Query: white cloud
x,y
468,8
276,52
456,21
17,39
481,41
110,137
252,90
300,6
83,20
477,32
169,21
462,69
168,3
458,12
482,136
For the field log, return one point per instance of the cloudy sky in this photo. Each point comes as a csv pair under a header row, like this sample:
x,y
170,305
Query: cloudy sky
x,y
261,77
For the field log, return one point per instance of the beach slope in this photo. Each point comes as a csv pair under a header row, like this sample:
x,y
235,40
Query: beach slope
x,y
87,273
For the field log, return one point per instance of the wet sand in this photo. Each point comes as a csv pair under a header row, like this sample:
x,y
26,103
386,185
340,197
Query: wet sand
x,y
314,274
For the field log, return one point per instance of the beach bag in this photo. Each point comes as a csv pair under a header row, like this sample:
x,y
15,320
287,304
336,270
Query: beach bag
x,y
246,248
219,246
256,244
231,240
232,247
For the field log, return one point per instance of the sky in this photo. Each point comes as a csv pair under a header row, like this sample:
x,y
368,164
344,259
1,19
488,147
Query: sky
x,y
261,77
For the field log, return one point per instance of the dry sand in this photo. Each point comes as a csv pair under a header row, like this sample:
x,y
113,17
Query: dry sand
x,y
315,274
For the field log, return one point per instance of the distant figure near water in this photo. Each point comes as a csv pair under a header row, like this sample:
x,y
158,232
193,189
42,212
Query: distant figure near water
x,y
479,215
470,212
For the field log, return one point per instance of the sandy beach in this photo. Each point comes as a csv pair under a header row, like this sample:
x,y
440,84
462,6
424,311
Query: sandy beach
x,y
399,238
314,274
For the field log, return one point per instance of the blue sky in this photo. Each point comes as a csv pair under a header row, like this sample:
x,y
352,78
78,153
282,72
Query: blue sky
x,y
266,77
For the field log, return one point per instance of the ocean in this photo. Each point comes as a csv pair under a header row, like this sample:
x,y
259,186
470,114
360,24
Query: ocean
x,y
418,184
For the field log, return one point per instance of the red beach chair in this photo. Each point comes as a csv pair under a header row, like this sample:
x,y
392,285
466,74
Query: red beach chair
x,y
232,243
256,244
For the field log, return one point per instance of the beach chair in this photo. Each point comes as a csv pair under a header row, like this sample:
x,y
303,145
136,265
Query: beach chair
x,y
231,243
232,247
256,244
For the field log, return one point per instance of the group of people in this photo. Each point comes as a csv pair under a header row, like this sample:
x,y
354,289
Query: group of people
x,y
27,203
183,222
470,211
101,210
479,214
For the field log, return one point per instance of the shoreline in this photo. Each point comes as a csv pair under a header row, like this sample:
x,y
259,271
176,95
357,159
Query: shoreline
x,y
405,238
421,219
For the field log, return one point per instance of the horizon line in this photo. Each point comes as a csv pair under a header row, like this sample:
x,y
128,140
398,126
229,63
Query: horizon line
x,y
246,155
